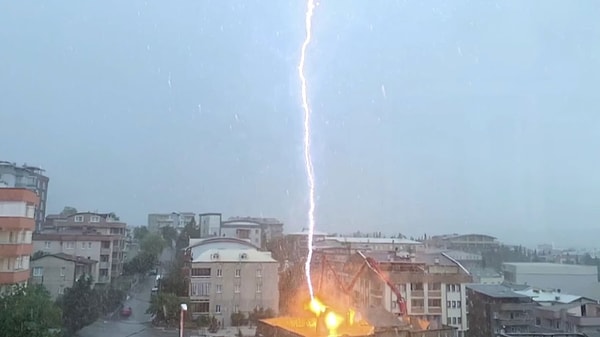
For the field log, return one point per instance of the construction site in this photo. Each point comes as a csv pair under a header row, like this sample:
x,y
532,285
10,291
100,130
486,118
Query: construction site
x,y
346,302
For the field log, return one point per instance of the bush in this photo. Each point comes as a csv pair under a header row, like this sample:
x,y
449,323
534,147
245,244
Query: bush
x,y
238,319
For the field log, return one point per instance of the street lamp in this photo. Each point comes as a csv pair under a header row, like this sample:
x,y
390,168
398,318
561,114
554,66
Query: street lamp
x,y
181,315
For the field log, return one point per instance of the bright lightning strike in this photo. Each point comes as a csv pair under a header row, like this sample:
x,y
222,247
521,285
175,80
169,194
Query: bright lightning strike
x,y
310,6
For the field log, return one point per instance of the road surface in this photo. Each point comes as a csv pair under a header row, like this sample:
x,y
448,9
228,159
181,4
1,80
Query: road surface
x,y
138,324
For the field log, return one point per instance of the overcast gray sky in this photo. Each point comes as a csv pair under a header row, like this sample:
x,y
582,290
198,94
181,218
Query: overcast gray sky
x,y
429,116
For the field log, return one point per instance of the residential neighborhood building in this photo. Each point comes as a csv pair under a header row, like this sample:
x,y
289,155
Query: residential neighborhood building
x,y
210,224
568,318
574,279
432,284
178,220
260,231
230,275
56,272
464,242
496,308
29,177
97,236
17,222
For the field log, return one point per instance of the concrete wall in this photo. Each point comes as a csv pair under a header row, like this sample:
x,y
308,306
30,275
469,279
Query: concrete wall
x,y
55,279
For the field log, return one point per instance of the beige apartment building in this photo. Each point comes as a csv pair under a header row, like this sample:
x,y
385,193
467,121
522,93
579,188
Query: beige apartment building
x,y
57,272
17,221
94,236
229,275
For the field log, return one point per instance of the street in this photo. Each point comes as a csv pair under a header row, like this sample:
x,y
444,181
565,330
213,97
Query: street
x,y
138,324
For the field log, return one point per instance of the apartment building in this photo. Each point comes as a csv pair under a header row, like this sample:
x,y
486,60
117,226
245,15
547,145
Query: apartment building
x,y
96,236
28,177
432,285
17,221
178,220
260,231
56,272
229,275
464,242
496,308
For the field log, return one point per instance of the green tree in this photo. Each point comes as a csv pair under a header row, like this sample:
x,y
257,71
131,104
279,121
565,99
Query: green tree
x,y
189,231
166,308
169,234
29,312
68,211
140,232
142,263
152,243
109,298
175,281
79,305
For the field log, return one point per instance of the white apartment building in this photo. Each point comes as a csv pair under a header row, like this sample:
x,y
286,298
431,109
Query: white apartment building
x,y
229,275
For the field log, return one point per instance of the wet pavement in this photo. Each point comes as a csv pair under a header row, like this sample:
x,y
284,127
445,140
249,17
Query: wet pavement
x,y
138,324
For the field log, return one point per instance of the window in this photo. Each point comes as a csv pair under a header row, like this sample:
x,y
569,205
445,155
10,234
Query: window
x,y
236,308
258,272
459,320
458,304
243,256
23,236
200,289
83,245
218,308
89,245
448,304
236,288
61,290
238,273
47,245
201,272
219,288
105,244
538,321
454,304
453,288
62,271
38,271
435,302
70,244
95,218
259,287
79,218
219,272
416,286
417,303
104,258
200,307
454,320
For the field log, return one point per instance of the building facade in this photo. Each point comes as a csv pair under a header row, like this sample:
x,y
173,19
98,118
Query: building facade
x,y
177,220
229,276
465,242
17,222
497,308
260,231
57,272
432,285
574,279
96,236
28,177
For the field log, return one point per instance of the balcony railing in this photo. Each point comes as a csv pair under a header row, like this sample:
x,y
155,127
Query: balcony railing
x,y
417,293
435,310
434,293
417,310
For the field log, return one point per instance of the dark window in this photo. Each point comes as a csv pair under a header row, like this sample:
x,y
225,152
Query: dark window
x,y
200,307
201,272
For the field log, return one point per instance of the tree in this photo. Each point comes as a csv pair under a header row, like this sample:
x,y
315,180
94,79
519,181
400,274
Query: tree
x,y
152,243
29,312
110,298
140,232
175,281
68,211
169,234
142,263
79,305
238,319
166,308
189,231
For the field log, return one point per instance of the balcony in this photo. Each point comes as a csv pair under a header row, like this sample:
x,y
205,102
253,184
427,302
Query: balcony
x,y
435,310
105,251
14,276
516,321
417,293
584,321
516,306
17,223
434,293
417,310
15,249
104,265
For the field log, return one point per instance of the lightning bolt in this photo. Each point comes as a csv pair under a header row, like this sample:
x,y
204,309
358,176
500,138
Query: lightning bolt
x,y
310,7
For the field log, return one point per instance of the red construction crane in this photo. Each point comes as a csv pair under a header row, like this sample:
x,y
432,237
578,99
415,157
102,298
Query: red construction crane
x,y
373,266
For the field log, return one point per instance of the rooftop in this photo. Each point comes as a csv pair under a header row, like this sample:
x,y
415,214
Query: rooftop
x,y
233,255
67,257
549,296
496,291
373,240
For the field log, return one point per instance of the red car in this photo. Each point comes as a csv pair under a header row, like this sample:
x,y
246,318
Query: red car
x,y
126,312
